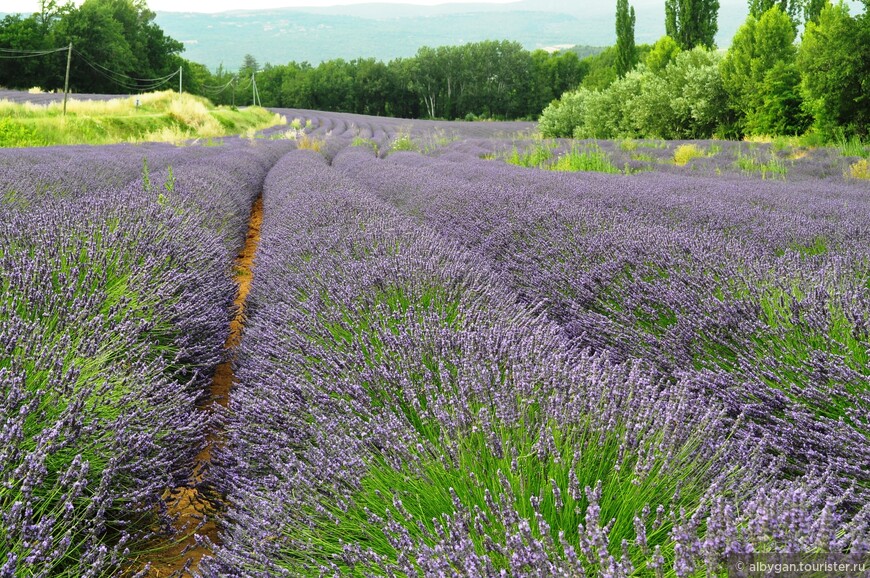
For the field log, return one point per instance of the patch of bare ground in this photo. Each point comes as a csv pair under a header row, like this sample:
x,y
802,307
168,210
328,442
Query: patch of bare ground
x,y
196,507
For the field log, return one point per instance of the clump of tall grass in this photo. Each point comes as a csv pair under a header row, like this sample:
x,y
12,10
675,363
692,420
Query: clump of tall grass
x,y
535,157
773,167
359,141
853,147
588,158
628,145
403,142
311,143
860,169
685,153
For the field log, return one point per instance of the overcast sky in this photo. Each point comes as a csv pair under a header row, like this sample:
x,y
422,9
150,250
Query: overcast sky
x,y
28,6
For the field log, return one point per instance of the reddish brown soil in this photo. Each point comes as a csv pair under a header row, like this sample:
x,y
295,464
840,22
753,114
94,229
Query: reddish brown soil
x,y
196,510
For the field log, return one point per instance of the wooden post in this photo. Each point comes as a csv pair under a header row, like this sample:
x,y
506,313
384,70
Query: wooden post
x,y
66,80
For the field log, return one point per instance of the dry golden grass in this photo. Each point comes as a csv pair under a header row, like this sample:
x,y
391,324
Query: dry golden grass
x,y
684,153
860,170
308,142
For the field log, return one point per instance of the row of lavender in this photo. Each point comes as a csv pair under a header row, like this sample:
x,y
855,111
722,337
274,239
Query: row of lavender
x,y
116,299
417,396
757,292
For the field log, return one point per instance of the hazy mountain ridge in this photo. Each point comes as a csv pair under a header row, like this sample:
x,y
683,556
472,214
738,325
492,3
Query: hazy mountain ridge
x,y
387,31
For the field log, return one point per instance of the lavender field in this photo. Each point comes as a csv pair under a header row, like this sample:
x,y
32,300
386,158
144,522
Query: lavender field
x,y
450,365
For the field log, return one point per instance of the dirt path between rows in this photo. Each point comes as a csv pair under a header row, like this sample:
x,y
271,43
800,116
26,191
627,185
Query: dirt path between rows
x,y
197,507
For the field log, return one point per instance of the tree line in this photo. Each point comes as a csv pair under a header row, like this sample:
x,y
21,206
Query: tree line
x,y
766,83
491,79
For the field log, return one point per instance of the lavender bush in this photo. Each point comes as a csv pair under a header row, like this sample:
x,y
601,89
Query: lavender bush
x,y
116,303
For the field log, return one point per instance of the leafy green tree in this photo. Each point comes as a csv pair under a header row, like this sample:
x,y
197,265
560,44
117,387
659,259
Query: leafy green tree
x,y
297,86
196,76
429,79
791,7
332,86
106,62
372,86
249,65
834,64
756,72
49,13
552,75
24,34
562,117
662,53
404,102
692,22
153,53
685,100
812,9
780,111
602,69
626,57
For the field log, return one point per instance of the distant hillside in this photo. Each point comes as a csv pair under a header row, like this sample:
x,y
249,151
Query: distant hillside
x,y
386,31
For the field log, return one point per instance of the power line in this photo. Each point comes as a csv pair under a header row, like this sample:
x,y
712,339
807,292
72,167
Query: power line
x,y
121,79
9,54
121,74
33,52
219,89
126,81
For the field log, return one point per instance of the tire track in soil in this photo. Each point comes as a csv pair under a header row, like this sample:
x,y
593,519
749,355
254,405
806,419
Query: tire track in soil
x,y
197,507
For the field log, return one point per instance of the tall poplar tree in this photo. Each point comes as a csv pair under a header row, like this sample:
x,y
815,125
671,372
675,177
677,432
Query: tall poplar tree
x,y
626,56
692,22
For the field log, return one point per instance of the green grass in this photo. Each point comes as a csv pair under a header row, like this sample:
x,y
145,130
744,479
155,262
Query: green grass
x,y
588,158
359,141
534,157
853,147
161,116
403,142
628,145
773,167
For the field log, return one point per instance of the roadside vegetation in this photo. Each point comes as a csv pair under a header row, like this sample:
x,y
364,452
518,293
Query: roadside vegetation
x,y
159,116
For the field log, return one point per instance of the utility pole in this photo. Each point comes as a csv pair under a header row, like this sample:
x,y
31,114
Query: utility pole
x,y
180,78
66,80
234,89
258,101
253,89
